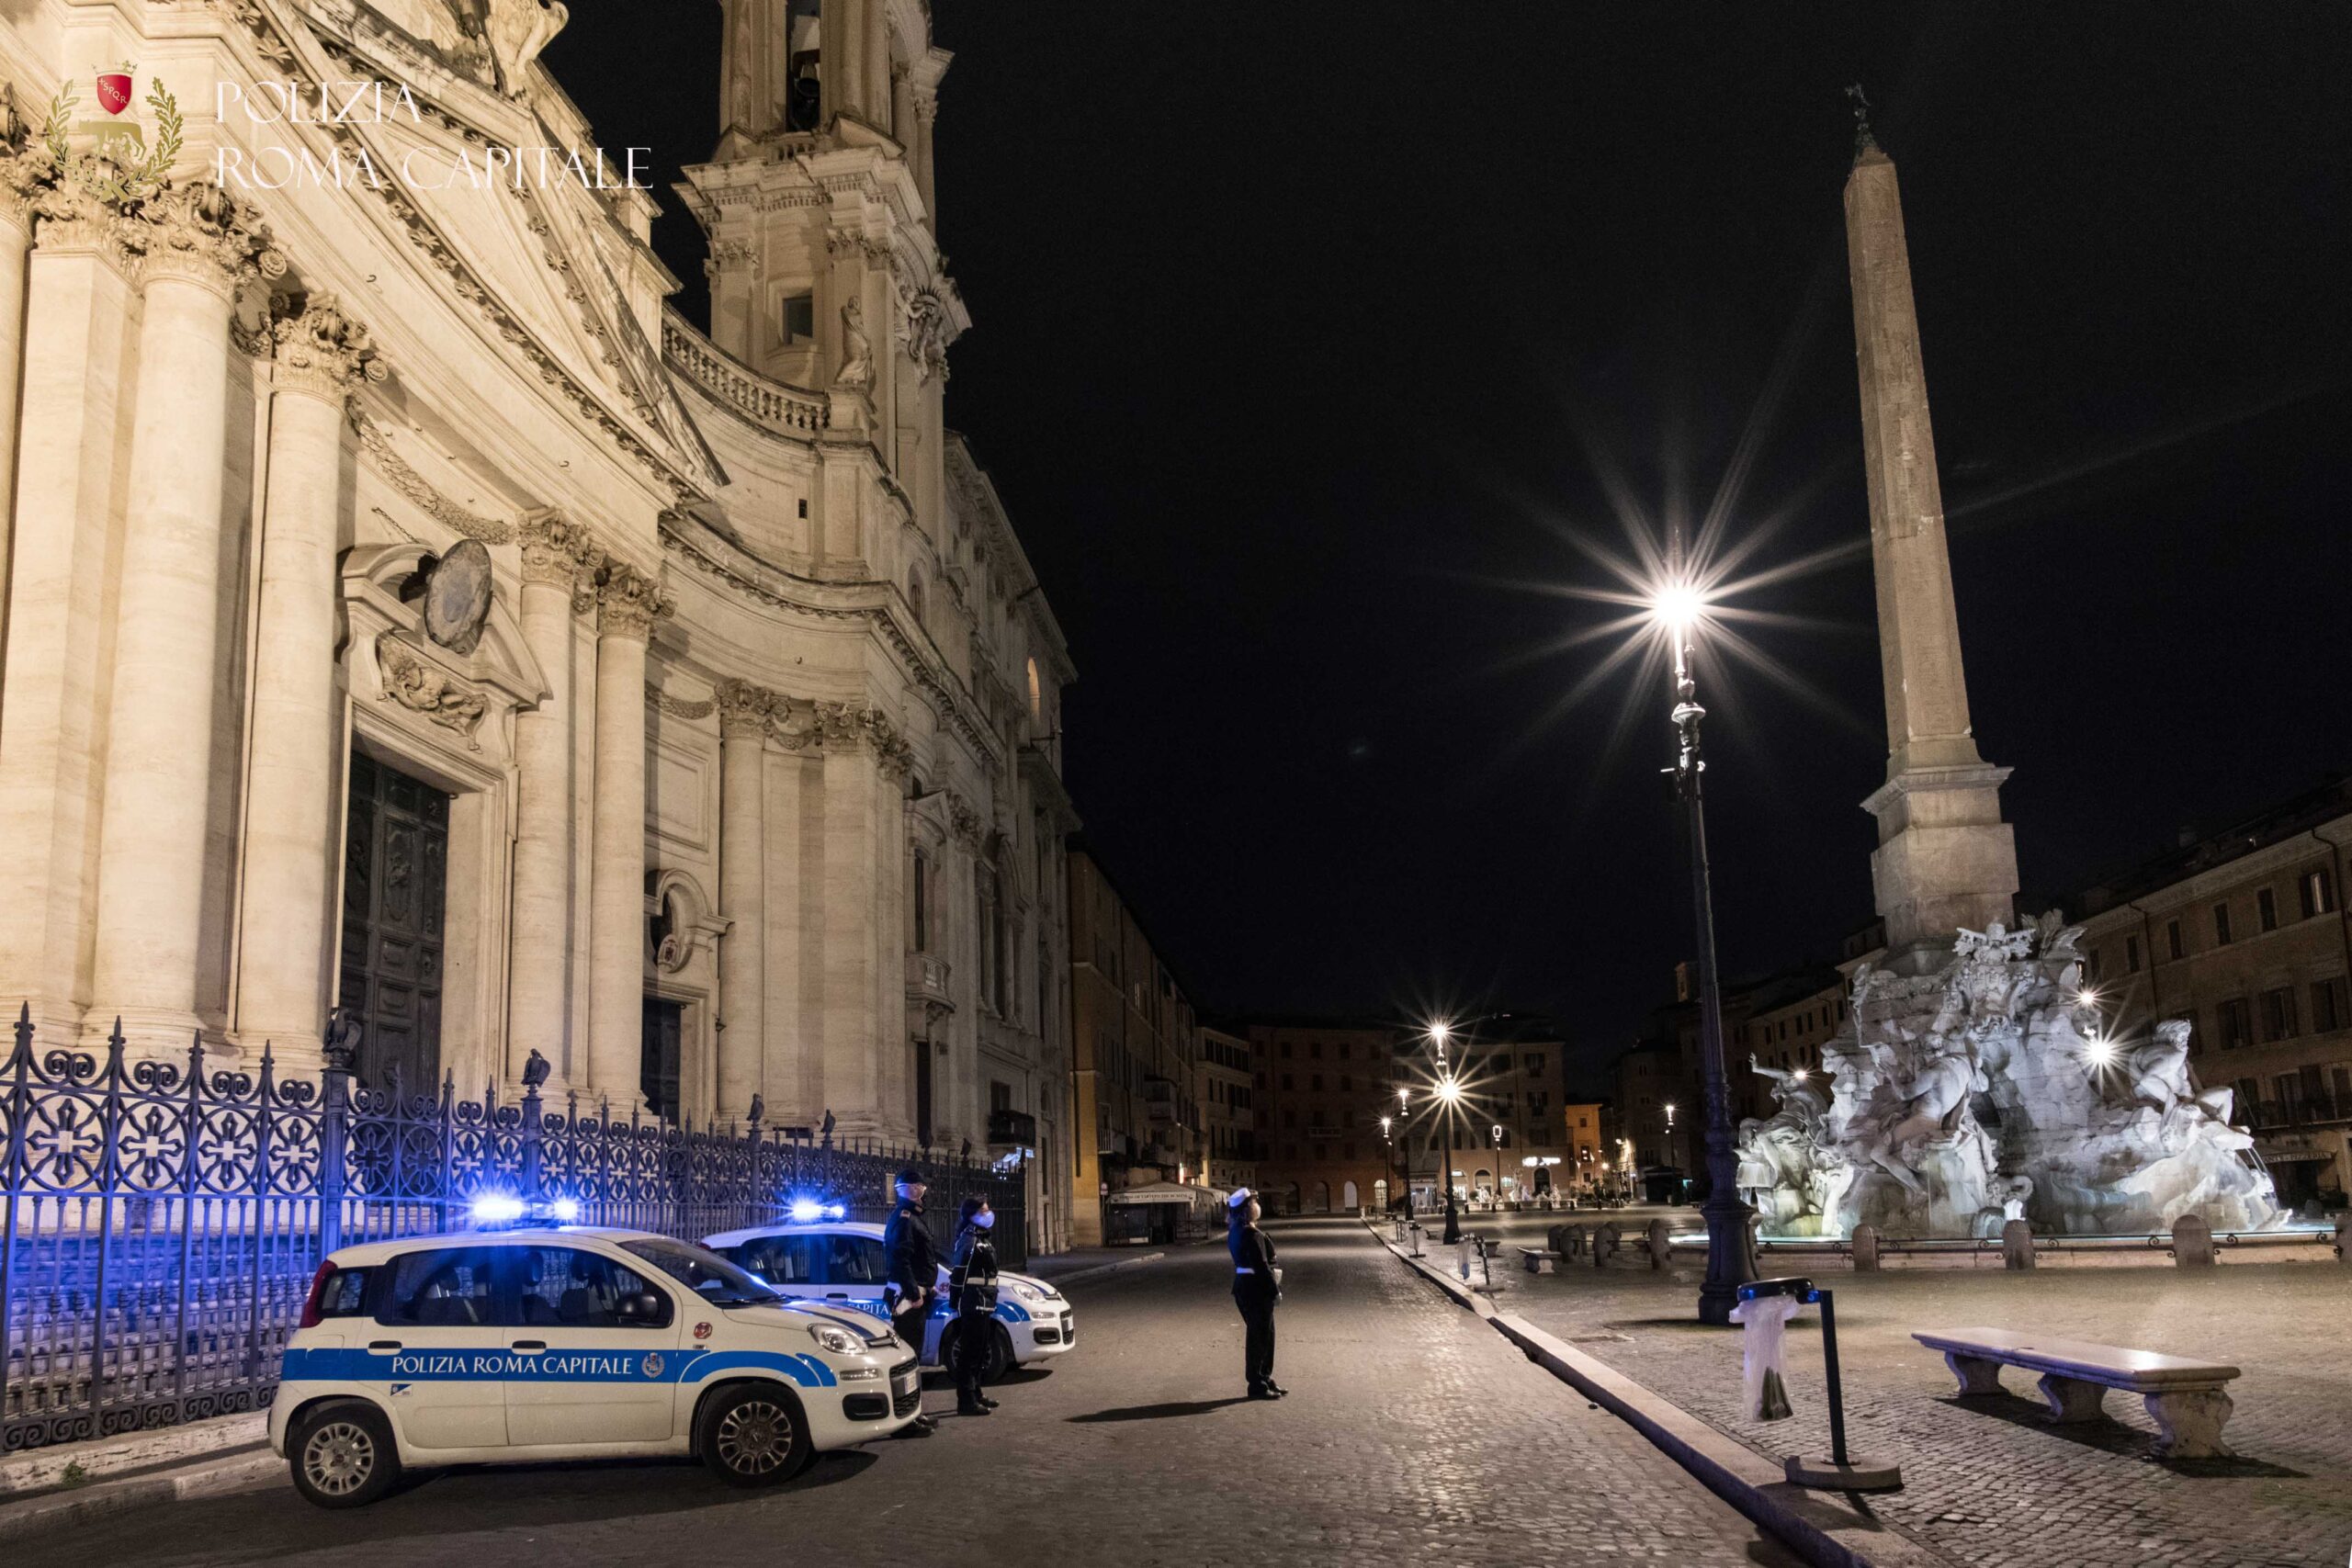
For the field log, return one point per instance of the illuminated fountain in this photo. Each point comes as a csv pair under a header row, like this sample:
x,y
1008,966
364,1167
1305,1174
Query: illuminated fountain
x,y
1986,1091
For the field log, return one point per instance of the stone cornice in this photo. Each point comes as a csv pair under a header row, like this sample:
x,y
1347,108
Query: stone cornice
x,y
693,541
747,710
284,54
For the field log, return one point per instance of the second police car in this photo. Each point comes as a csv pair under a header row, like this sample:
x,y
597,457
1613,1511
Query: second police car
x,y
564,1342
820,1257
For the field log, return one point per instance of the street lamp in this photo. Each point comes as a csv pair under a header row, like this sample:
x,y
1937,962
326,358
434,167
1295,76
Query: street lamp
x,y
1449,1094
1677,607
1499,1164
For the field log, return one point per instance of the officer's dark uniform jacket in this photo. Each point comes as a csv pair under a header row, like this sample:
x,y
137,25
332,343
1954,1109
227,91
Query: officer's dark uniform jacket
x,y
913,1257
1253,1260
971,1279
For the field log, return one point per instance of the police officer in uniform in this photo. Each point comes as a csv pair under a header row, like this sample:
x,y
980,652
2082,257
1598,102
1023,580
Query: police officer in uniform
x,y
1255,1290
971,1285
913,1261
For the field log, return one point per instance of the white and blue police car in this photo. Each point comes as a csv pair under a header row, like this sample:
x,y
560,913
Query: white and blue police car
x,y
566,1342
817,1255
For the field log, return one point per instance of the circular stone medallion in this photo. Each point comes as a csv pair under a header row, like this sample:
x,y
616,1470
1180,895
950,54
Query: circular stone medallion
x,y
457,597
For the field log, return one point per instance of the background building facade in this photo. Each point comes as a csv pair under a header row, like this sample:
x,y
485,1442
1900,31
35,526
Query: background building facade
x,y
1321,1090
1227,1098
408,611
2243,933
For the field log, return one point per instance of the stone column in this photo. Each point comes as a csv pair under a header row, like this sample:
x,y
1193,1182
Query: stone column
x,y
200,244
18,185
926,107
78,320
628,602
320,355
743,714
556,555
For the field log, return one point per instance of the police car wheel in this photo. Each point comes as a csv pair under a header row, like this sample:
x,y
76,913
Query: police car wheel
x,y
998,1353
342,1455
753,1436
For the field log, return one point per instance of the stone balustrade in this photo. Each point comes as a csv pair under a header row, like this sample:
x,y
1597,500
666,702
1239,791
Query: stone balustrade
x,y
789,410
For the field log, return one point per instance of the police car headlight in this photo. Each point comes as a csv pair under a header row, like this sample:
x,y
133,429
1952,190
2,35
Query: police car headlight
x,y
834,1337
1027,1292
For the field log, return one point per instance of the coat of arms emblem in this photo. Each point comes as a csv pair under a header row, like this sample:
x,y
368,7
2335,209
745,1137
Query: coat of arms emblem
x,y
654,1365
114,87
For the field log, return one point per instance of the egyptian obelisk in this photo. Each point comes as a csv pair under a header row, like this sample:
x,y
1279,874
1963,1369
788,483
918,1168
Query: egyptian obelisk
x,y
1945,859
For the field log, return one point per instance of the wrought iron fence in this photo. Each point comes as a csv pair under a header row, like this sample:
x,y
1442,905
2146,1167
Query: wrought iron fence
x,y
162,1221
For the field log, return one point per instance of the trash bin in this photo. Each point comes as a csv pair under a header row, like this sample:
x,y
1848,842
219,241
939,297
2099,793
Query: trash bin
x,y
1763,1312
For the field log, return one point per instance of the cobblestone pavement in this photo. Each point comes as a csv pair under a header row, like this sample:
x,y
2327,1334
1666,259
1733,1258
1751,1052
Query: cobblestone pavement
x,y
1413,1433
1987,1480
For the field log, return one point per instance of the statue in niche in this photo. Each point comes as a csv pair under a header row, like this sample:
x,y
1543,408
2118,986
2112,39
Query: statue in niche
x,y
856,373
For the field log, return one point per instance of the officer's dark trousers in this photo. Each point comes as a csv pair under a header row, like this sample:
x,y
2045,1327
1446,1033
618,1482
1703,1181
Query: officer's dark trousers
x,y
909,1319
972,1332
1257,1304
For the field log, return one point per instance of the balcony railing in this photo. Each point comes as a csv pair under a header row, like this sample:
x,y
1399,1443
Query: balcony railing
x,y
927,977
789,410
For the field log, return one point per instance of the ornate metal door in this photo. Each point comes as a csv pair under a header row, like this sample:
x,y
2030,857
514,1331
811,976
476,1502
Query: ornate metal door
x,y
394,892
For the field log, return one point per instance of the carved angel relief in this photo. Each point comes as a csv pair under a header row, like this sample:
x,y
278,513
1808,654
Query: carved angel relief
x,y
423,689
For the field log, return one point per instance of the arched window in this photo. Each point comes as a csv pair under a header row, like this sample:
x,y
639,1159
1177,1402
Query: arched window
x,y
1036,700
915,597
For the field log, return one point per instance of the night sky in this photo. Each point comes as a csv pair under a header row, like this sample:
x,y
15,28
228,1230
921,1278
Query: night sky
x,y
1305,333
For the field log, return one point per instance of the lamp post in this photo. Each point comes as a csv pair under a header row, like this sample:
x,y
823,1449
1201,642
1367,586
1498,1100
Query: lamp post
x,y
1497,1198
1449,1094
1731,1246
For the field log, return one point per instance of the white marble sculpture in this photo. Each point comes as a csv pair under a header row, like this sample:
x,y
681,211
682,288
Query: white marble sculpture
x,y
1986,1092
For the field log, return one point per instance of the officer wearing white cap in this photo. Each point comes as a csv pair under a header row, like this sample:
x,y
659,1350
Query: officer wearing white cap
x,y
1257,1285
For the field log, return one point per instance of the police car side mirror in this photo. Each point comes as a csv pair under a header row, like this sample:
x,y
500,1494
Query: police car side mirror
x,y
643,1307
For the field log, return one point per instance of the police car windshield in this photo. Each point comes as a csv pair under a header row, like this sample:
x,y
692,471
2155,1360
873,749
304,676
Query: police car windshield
x,y
710,1276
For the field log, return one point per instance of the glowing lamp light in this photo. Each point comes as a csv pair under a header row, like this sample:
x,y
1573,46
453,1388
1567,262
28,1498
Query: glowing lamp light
x,y
563,1211
1449,1090
807,1210
497,1209
1440,1031
2101,1051
1677,605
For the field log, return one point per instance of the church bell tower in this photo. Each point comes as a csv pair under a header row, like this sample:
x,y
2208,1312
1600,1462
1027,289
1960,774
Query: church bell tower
x,y
818,202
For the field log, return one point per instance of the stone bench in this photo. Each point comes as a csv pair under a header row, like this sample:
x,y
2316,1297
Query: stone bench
x,y
1537,1260
2186,1398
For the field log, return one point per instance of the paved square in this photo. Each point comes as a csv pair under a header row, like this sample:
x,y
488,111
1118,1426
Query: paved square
x,y
1414,1433
1988,1482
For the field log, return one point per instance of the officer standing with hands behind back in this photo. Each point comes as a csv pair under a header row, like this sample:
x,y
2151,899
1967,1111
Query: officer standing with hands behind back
x,y
1257,1284
913,1261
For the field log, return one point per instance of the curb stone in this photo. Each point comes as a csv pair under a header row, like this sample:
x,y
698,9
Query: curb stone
x,y
32,1471
59,1510
1815,1525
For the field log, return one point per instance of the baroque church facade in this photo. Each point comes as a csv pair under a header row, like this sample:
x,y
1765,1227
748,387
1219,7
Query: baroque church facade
x,y
407,611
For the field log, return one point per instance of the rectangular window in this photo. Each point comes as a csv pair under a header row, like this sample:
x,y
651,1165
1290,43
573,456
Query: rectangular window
x,y
1315,1049
2175,948
2131,954
2221,925
2091,963
921,904
564,1287
1315,1081
800,318
2328,1009
2233,1023
1000,1095
2317,891
2265,909
1286,1083
2278,1014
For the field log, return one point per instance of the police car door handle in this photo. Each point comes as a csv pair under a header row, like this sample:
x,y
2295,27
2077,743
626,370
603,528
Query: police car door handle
x,y
383,1344
529,1345
837,1295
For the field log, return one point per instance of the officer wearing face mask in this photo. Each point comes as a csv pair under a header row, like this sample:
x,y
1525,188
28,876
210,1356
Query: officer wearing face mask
x,y
971,1285
913,1261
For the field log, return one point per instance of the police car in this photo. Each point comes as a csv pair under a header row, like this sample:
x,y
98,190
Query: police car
x,y
820,1257
563,1342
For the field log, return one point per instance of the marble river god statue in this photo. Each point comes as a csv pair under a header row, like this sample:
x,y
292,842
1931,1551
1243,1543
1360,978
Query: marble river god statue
x,y
1952,1102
